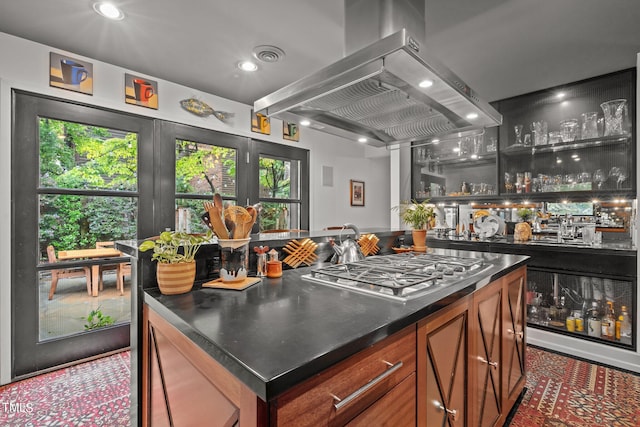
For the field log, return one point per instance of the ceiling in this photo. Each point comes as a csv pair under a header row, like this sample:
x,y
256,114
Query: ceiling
x,y
500,48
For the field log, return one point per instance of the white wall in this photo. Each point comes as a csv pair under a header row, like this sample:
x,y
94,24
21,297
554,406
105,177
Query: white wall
x,y
28,70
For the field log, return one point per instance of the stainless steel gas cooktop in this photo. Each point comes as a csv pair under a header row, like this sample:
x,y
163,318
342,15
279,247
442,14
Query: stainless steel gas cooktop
x,y
400,276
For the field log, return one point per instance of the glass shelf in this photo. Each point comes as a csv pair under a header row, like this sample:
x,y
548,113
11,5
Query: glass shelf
x,y
467,160
578,144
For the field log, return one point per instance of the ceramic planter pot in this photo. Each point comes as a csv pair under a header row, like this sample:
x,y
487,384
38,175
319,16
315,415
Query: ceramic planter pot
x,y
176,278
419,240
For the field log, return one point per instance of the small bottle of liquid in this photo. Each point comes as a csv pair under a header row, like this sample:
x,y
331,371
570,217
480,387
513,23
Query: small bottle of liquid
x,y
625,326
608,322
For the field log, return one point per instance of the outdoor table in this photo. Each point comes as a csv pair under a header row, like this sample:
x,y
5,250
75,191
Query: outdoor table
x,y
91,253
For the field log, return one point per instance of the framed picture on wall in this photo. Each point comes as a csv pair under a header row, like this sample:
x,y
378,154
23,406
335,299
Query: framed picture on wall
x,y
357,193
140,91
71,74
260,123
290,131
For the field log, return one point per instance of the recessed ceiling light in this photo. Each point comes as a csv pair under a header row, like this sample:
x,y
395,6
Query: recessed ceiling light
x,y
108,10
305,123
362,139
247,66
426,83
472,116
560,95
435,140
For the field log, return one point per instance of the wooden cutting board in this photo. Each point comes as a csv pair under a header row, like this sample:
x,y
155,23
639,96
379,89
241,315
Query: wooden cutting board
x,y
236,286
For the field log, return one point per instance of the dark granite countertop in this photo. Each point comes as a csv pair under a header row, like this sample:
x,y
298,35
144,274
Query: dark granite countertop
x,y
281,332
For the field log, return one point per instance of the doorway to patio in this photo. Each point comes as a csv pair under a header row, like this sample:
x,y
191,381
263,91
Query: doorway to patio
x,y
79,182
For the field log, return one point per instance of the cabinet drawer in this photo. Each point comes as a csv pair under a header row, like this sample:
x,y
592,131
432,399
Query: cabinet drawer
x,y
340,393
396,408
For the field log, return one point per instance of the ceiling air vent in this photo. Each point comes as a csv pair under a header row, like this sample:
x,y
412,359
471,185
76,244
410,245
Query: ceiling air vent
x,y
266,53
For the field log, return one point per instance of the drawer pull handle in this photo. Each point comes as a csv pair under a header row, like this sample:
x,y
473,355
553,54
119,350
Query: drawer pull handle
x,y
452,412
519,334
493,364
343,402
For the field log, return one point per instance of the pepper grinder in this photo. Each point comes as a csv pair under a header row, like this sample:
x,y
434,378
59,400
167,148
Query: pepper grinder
x,y
261,252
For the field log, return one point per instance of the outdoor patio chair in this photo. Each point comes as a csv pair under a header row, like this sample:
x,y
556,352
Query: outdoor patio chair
x,y
122,269
65,273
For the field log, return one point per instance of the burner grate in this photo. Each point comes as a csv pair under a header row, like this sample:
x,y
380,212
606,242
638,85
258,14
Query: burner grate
x,y
399,274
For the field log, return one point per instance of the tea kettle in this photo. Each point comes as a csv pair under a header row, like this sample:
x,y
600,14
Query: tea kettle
x,y
349,250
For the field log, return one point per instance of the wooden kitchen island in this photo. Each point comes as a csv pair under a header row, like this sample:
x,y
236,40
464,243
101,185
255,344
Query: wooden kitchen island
x,y
289,352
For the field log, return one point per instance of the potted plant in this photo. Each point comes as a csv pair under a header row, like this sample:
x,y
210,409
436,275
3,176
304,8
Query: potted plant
x,y
524,214
419,216
176,269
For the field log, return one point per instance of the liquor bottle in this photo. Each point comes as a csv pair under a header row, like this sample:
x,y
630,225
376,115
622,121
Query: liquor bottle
x,y
608,322
563,310
594,325
625,319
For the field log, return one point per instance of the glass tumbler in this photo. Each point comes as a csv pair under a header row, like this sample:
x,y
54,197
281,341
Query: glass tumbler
x,y
539,130
589,125
569,130
616,117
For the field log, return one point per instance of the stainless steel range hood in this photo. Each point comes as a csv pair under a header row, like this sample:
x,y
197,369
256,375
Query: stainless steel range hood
x,y
375,92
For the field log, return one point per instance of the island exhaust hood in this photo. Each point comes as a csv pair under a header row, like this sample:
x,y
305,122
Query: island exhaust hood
x,y
389,91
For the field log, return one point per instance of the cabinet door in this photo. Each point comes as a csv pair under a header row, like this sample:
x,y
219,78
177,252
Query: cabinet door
x,y
486,333
461,165
182,386
582,142
513,336
442,367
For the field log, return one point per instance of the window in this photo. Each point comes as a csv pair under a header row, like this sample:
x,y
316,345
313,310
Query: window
x,y
96,164
282,186
202,170
82,170
242,170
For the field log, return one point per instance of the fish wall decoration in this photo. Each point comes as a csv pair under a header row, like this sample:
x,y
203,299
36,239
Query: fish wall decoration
x,y
202,109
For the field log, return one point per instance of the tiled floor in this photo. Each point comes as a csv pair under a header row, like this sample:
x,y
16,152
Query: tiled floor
x,y
66,313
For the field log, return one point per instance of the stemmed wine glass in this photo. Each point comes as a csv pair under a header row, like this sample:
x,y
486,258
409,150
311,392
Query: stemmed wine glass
x,y
599,178
620,175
